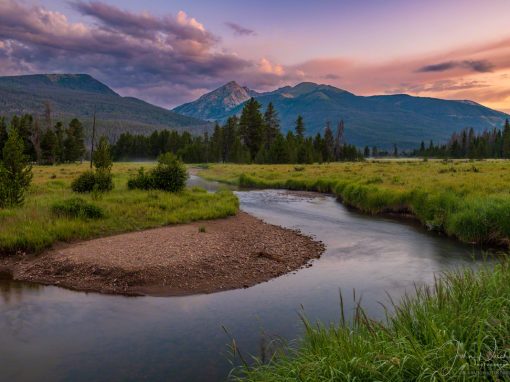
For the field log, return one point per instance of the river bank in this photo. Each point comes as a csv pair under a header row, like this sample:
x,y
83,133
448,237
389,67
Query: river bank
x,y
467,200
202,257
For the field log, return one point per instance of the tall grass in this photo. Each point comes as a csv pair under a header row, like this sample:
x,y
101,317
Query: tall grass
x,y
458,330
450,197
36,225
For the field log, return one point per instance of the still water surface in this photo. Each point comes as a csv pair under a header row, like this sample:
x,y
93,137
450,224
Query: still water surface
x,y
49,333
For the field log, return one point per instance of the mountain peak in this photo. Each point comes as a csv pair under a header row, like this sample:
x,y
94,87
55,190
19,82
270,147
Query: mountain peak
x,y
217,102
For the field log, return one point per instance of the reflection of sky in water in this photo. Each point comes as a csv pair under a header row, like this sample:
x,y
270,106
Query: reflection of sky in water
x,y
51,333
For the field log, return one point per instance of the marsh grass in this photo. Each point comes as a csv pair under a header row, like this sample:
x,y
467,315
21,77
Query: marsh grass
x,y
35,226
456,330
470,202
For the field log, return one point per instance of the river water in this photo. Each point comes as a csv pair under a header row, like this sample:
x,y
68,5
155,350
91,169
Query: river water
x,y
49,333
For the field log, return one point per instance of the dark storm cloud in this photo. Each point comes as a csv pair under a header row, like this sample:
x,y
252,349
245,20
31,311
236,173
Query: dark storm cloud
x,y
240,30
480,66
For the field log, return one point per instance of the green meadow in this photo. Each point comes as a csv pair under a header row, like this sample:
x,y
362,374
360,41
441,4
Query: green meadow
x,y
469,200
43,221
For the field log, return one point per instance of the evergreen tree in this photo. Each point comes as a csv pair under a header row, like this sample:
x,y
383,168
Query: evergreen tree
x,y
230,134
251,127
506,140
48,147
102,156
339,141
329,144
216,144
395,150
59,149
74,143
3,135
15,171
366,152
271,125
300,128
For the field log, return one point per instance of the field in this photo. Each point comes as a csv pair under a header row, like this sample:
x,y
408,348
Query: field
x,y
466,199
35,226
456,331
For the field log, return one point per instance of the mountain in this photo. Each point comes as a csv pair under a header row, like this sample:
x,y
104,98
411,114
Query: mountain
x,y
76,95
218,103
380,120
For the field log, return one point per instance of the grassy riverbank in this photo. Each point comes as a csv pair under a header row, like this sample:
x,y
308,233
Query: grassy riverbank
x,y
36,226
457,331
468,200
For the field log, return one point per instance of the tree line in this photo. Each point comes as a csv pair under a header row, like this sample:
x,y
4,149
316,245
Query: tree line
x,y
47,144
467,143
254,137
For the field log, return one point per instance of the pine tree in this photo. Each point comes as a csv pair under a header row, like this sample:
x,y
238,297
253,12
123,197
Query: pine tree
x,y
339,141
102,156
3,135
59,150
329,144
229,138
216,143
395,150
15,171
251,127
74,144
506,140
271,125
300,128
366,152
48,147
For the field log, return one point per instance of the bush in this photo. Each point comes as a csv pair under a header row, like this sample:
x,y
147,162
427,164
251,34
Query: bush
x,y
142,180
77,208
93,181
169,175
84,183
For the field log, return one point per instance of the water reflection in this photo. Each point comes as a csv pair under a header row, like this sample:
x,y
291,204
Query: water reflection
x,y
65,335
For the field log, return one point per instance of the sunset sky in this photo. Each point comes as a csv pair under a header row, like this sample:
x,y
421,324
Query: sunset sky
x,y
169,52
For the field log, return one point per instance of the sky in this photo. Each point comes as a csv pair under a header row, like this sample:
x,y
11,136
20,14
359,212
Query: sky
x,y
173,51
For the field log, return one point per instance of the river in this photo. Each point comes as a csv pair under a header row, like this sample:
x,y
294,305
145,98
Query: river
x,y
49,333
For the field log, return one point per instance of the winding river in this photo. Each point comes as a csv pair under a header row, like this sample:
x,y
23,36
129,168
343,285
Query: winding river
x,y
49,333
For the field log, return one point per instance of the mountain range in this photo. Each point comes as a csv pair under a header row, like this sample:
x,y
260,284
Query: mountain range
x,y
381,120
77,95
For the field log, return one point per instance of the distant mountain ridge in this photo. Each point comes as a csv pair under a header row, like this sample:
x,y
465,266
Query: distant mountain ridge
x,y
77,95
381,120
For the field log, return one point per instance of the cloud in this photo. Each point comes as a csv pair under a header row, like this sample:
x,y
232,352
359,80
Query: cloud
x,y
138,52
481,66
240,30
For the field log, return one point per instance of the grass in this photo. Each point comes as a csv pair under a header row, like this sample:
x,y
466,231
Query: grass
x,y
456,331
468,200
42,221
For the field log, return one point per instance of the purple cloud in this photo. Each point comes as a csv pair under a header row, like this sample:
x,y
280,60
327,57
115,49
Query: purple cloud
x,y
240,30
480,66
135,52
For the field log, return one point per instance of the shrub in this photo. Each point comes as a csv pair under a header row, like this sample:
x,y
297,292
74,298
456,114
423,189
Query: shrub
x,y
169,175
142,180
84,183
77,208
93,181
104,181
